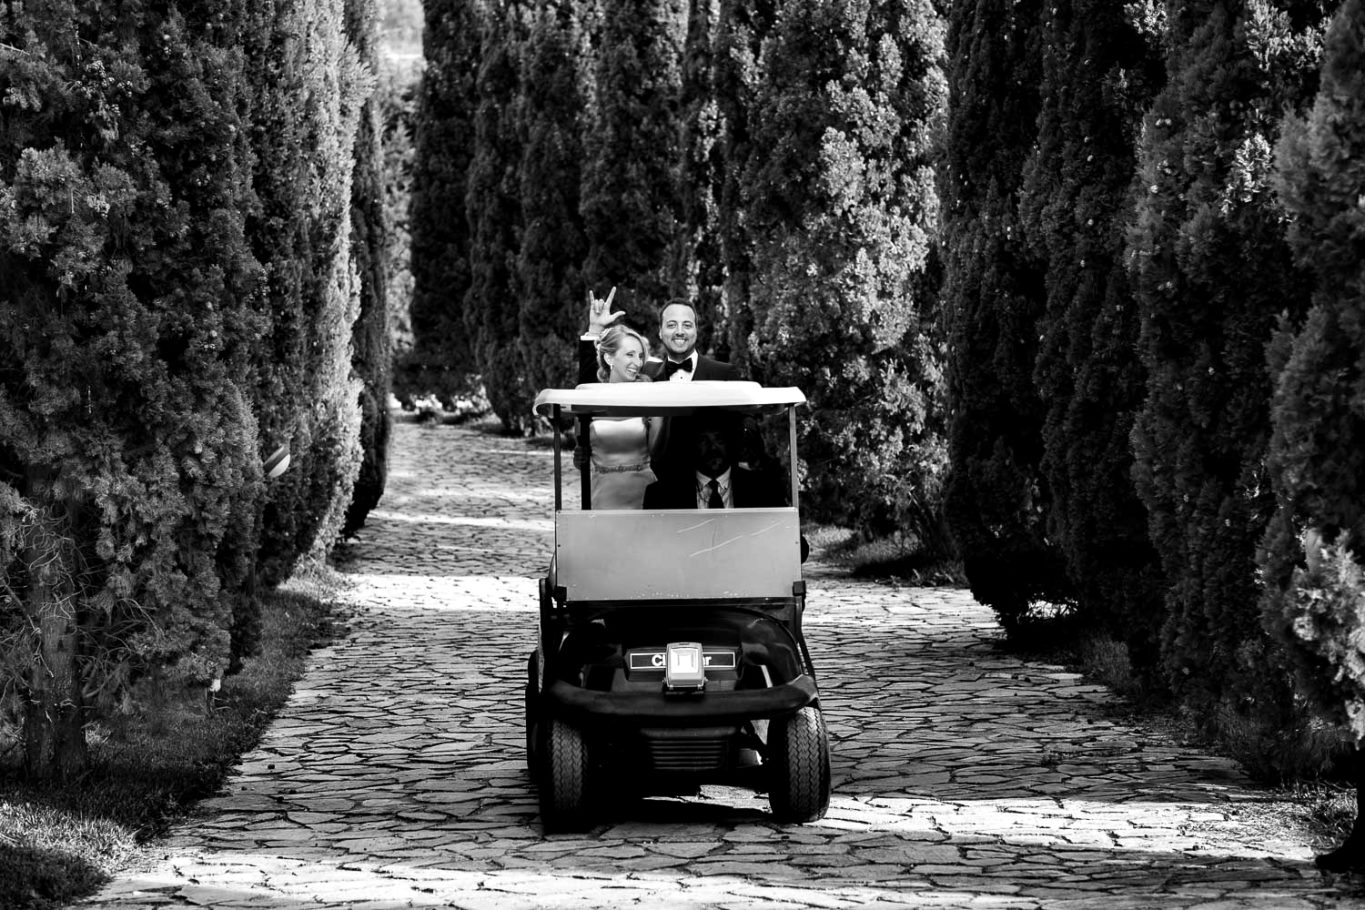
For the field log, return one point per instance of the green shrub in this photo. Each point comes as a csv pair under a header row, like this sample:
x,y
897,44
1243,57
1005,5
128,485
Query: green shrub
x,y
372,353
1099,73
1212,274
998,499
493,206
179,297
842,208
741,28
128,445
553,110
630,196
309,88
442,359
1310,560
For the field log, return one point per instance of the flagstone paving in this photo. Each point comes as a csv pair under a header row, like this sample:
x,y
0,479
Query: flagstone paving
x,y
963,776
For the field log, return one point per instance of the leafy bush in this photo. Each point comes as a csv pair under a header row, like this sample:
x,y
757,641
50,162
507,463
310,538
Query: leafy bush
x,y
553,87
372,352
127,429
630,197
842,207
1099,73
1212,274
1313,587
175,201
441,359
309,86
998,500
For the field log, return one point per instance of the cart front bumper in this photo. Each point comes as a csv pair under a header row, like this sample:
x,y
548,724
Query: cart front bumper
x,y
590,707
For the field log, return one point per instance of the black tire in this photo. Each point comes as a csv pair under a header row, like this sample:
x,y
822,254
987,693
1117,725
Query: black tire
x,y
798,760
564,790
533,759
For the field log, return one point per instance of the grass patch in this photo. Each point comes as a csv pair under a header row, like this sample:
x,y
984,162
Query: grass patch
x,y
60,842
891,558
1327,809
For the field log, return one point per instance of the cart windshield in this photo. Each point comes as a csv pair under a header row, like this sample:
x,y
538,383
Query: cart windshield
x,y
678,536
742,421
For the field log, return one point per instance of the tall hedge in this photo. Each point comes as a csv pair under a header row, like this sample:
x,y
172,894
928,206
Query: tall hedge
x,y
1101,67
630,200
698,270
372,353
741,28
442,359
493,205
998,498
1315,544
1212,275
842,208
397,92
554,100
309,86
128,311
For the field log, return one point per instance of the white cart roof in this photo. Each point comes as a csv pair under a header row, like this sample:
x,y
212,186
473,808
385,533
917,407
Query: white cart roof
x,y
618,399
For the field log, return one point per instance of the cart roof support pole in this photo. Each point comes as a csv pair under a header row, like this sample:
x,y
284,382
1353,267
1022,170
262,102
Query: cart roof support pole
x,y
554,428
585,478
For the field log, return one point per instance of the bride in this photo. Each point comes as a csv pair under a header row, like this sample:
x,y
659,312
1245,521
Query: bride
x,y
621,446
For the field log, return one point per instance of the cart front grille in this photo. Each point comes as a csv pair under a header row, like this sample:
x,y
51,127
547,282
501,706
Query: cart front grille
x,y
688,755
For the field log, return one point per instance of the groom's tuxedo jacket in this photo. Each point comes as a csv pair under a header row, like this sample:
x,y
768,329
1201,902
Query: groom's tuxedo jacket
x,y
750,489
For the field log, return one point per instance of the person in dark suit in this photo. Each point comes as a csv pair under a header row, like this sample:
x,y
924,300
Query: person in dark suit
x,y
716,479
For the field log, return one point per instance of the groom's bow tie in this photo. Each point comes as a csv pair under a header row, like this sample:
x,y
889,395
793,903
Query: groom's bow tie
x,y
671,367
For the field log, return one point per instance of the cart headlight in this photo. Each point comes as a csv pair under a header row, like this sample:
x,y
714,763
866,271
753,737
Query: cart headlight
x,y
684,667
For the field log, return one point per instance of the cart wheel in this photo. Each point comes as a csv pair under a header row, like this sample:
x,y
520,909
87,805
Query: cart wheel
x,y
533,758
563,778
798,755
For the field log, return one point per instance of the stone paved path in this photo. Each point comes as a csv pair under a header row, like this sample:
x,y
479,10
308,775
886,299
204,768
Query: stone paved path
x,y
962,777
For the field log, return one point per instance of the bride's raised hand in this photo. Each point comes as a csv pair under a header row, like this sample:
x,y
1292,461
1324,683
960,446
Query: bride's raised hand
x,y
600,315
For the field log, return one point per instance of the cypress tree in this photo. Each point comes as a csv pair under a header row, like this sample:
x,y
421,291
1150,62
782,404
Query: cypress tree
x,y
630,198
309,86
1099,75
128,448
1312,551
740,31
554,99
842,205
698,271
994,297
398,92
493,204
372,355
442,359
1212,274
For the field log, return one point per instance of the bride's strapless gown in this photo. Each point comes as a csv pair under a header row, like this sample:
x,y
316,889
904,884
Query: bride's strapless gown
x,y
620,462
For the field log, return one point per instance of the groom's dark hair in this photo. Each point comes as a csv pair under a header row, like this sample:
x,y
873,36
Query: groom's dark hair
x,y
677,301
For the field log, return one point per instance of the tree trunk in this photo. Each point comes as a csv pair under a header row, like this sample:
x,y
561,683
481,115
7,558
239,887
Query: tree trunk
x,y
54,736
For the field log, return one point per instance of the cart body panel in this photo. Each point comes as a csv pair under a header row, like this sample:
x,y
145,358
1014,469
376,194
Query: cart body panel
x,y
677,553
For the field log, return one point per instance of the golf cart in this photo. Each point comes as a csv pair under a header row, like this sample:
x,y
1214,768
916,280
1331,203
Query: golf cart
x,y
670,651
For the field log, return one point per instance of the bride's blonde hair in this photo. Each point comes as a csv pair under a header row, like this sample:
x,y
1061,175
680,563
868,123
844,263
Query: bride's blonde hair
x,y
610,342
